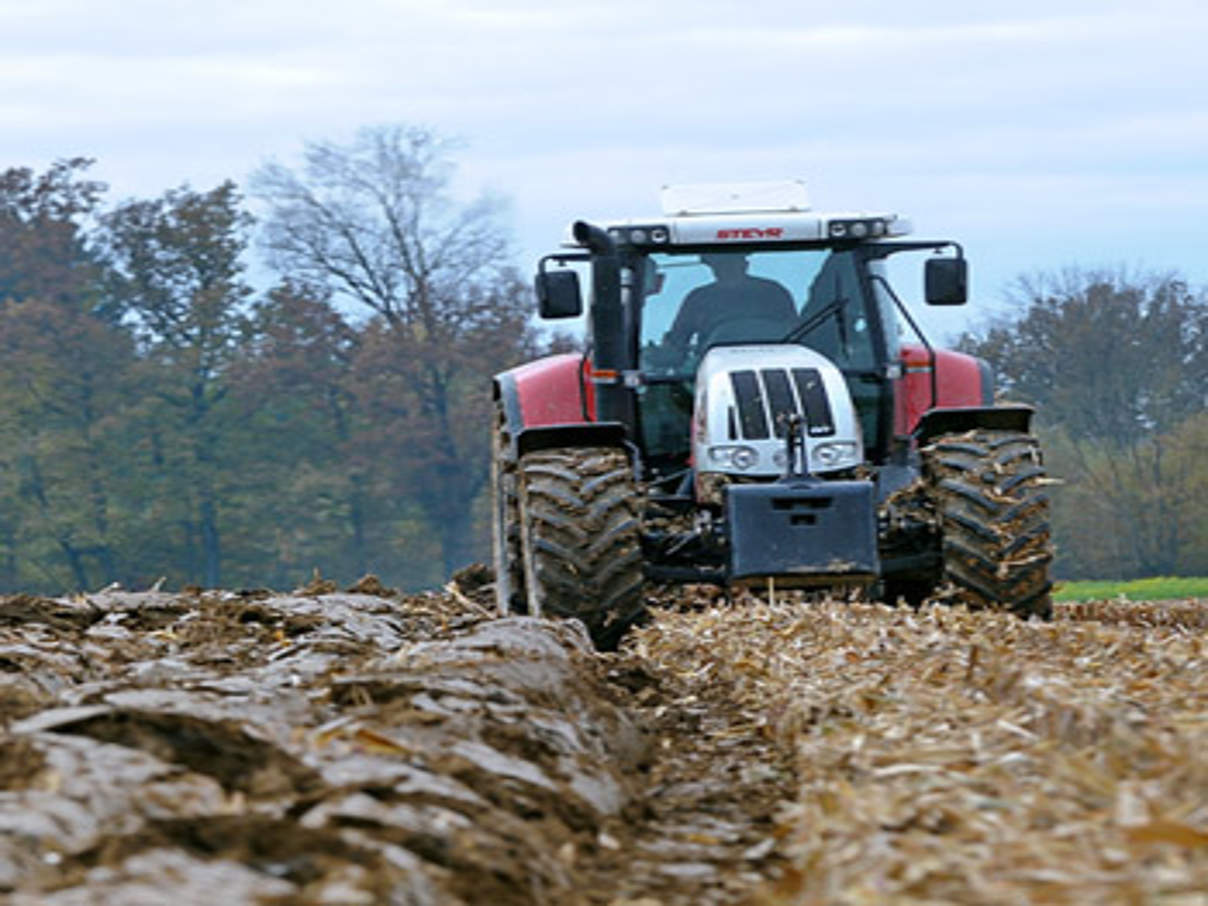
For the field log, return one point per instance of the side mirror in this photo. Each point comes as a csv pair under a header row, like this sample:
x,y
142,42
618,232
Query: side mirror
x,y
946,281
558,294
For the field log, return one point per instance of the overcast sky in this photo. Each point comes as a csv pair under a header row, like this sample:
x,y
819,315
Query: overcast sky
x,y
1041,134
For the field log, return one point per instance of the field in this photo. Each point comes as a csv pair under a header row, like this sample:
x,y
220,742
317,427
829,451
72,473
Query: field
x,y
362,746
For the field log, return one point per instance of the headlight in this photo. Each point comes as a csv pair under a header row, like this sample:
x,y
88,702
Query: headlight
x,y
736,458
858,229
836,454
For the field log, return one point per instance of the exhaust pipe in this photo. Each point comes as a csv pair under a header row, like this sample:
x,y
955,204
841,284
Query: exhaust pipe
x,y
610,346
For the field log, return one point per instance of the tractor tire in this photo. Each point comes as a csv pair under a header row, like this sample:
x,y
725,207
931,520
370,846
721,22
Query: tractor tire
x,y
988,488
580,539
505,522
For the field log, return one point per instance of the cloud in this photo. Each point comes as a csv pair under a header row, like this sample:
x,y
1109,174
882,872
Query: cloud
x,y
1083,116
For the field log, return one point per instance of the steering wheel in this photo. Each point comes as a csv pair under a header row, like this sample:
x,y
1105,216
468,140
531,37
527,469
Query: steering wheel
x,y
746,330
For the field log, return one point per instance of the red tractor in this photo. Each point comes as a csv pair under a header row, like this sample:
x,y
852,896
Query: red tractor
x,y
746,413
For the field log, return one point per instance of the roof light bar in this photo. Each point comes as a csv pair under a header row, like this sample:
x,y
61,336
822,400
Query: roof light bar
x,y
655,234
768,227
860,228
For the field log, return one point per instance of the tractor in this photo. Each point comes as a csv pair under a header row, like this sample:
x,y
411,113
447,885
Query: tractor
x,y
756,406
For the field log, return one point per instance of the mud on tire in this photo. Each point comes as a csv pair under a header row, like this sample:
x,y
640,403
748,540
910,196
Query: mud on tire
x,y
580,542
988,487
505,521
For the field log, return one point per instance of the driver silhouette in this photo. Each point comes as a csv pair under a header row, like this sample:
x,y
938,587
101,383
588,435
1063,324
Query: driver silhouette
x,y
733,296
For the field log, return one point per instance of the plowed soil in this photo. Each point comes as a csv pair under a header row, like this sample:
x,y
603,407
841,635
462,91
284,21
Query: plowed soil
x,y
362,746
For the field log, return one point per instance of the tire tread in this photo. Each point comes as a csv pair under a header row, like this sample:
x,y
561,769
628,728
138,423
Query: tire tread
x,y
580,529
988,487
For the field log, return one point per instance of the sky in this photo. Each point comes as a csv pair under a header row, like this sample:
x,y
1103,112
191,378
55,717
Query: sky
x,y
1042,135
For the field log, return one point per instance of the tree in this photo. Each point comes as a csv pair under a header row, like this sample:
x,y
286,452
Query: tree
x,y
1189,450
177,269
1104,355
43,252
374,222
65,389
1116,367
65,362
292,384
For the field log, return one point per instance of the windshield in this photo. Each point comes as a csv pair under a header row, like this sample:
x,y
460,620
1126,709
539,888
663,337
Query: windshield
x,y
693,301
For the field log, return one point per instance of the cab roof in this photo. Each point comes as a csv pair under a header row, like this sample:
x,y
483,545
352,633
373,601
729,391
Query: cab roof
x,y
751,212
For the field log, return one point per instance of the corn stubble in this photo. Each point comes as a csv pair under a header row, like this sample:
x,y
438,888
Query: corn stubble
x,y
952,756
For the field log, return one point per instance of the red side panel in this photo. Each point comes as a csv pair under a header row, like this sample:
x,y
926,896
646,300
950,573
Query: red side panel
x,y
550,391
960,381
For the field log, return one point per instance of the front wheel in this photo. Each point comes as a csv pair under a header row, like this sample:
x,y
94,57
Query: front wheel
x,y
988,488
580,538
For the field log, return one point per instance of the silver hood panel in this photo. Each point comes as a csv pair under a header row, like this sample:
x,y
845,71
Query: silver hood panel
x,y
745,393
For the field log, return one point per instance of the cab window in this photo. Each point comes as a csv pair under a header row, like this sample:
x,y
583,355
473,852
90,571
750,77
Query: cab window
x,y
693,301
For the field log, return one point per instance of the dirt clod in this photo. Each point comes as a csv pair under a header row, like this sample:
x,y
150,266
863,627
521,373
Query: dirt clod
x,y
370,584
316,747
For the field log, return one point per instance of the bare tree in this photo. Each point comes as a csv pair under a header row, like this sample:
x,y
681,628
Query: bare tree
x,y
374,222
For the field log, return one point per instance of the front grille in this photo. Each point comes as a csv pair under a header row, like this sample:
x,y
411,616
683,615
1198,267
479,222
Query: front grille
x,y
813,397
752,417
769,397
780,398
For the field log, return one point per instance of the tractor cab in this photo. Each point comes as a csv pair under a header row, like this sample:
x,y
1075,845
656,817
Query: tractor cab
x,y
751,264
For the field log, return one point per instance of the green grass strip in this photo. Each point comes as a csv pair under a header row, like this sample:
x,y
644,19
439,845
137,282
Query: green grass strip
x,y
1158,588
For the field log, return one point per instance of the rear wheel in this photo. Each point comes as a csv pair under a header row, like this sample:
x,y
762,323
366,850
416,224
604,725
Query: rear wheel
x,y
988,487
579,535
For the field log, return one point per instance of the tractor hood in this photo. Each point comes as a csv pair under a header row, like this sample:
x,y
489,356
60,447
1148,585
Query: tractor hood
x,y
744,397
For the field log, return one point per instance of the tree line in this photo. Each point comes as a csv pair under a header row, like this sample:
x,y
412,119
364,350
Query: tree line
x,y
160,419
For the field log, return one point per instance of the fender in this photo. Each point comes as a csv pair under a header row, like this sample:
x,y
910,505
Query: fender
x,y
961,382
550,403
948,421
